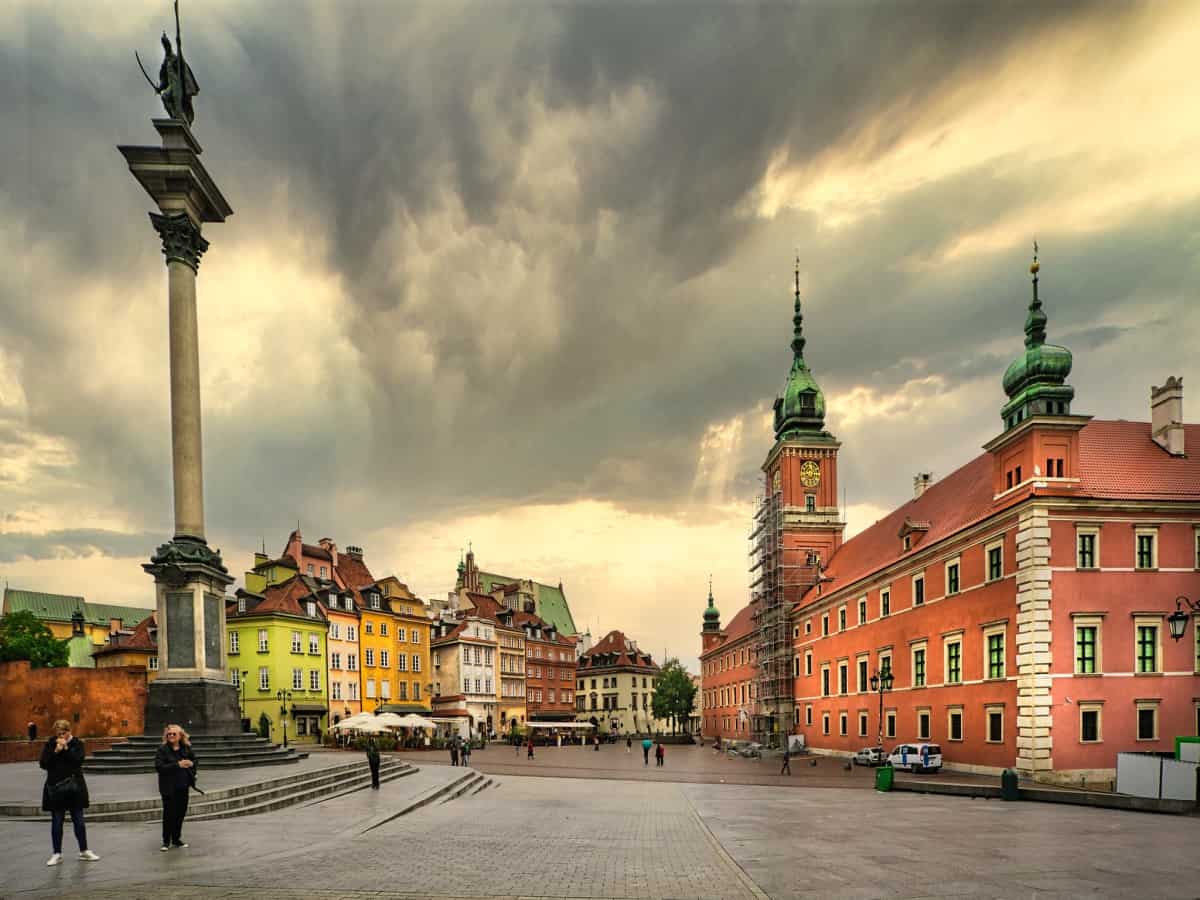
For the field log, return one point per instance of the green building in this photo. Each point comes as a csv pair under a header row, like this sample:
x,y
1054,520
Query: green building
x,y
276,654
86,625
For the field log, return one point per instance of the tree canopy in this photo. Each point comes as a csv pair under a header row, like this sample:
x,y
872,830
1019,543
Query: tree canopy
x,y
24,636
675,693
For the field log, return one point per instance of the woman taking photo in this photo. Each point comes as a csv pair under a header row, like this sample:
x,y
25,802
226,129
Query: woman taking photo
x,y
65,790
176,766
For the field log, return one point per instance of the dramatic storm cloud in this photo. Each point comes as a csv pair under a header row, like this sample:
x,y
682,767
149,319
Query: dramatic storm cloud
x,y
520,274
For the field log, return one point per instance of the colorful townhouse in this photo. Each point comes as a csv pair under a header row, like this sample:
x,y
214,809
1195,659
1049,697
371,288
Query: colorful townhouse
x,y
463,656
85,625
615,687
548,602
276,655
549,670
414,686
1020,612
344,674
137,646
509,676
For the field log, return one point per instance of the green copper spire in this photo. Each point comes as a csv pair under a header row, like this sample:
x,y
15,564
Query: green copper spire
x,y
712,618
1036,381
800,412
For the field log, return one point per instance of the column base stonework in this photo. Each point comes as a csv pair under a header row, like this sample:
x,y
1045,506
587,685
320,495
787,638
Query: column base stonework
x,y
1035,742
191,690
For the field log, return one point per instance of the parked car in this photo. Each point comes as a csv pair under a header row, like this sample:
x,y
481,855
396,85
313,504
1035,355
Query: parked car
x,y
869,756
916,757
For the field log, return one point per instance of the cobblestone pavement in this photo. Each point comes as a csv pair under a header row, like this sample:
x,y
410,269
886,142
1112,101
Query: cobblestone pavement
x,y
550,837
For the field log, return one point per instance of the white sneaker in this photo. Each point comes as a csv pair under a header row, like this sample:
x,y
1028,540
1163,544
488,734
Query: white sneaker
x,y
54,860
88,856
164,848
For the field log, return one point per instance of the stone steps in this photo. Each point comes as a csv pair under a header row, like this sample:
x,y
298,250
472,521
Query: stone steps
x,y
226,751
472,782
241,800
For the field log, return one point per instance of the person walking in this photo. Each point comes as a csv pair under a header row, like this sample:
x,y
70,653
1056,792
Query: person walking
x,y
466,753
529,755
65,790
31,729
454,750
176,766
628,744
373,762
787,761
646,745
659,754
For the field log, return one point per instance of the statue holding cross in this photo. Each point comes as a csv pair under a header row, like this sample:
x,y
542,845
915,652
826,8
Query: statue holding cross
x,y
176,83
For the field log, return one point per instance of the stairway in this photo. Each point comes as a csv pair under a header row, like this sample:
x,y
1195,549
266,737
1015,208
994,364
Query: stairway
x,y
307,787
214,751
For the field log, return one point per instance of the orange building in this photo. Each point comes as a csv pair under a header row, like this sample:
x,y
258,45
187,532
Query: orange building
x,y
728,674
549,670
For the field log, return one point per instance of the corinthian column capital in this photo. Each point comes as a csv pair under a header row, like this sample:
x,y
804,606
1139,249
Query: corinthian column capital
x,y
181,238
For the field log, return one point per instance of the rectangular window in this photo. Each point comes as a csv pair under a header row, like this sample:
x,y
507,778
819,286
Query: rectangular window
x,y
862,676
862,611
954,662
235,678
262,640
414,637
1089,723
918,590
1086,549
335,631
807,662
824,625
995,725
1085,649
402,690
843,678
885,603
401,662
264,678
354,690
297,679
335,660
336,687
862,724
351,633
233,642
890,723
995,654
383,629
842,619
400,634
314,680
416,662
885,662
384,659
808,630
1147,720
995,562
952,578
352,662
824,723
824,681
385,689
1147,648
1146,557
295,642
808,715
954,725
154,664
368,627
919,667
923,724
369,656
314,645
843,724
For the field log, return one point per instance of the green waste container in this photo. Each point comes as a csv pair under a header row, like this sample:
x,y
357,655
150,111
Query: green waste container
x,y
883,778
1008,785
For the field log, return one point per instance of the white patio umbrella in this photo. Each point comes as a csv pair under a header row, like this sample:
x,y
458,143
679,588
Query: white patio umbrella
x,y
389,720
412,720
353,722
370,727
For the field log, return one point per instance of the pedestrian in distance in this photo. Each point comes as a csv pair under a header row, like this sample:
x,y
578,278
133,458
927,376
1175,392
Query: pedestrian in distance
x,y
646,745
176,766
31,728
628,744
596,743
65,790
466,753
530,746
660,753
787,761
373,762
454,751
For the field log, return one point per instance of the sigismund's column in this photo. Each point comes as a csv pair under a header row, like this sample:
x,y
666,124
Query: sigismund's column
x,y
192,688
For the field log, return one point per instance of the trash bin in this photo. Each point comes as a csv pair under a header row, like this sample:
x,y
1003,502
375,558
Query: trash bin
x,y
883,778
1008,785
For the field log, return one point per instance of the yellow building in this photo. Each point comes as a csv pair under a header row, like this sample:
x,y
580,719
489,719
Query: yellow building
x,y
376,639
413,681
138,647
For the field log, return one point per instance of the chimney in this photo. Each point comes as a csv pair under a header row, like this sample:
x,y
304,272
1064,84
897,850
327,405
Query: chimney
x,y
1166,415
114,626
354,552
921,483
330,547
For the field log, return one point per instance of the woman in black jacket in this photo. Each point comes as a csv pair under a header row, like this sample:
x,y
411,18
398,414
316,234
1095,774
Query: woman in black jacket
x,y
65,790
176,766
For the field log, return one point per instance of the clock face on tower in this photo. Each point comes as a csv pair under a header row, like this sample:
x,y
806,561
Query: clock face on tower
x,y
810,473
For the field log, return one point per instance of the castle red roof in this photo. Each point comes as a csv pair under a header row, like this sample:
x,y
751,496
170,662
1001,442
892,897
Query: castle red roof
x,y
1118,459
614,650
739,626
139,639
285,597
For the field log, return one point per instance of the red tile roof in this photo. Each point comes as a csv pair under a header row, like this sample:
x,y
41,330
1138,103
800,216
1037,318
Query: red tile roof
x,y
1118,460
739,626
139,639
315,552
353,572
285,597
621,648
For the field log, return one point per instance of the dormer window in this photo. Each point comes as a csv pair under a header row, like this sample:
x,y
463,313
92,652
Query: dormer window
x,y
907,542
311,608
374,601
241,604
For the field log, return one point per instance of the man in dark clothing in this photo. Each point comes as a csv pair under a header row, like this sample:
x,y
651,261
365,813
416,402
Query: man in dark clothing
x,y
659,754
373,762
787,761
32,728
454,751
530,746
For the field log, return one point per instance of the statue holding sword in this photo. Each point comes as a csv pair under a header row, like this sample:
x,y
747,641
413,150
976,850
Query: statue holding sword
x,y
176,83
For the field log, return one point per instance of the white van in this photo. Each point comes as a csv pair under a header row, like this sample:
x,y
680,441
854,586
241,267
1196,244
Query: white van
x,y
916,757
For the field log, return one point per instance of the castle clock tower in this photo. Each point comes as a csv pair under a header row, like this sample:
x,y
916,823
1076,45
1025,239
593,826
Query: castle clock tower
x,y
797,528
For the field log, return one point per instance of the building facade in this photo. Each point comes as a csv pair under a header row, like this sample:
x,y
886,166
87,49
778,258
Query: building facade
x,y
1020,604
85,625
276,655
137,646
463,654
414,687
549,671
728,674
615,683
343,672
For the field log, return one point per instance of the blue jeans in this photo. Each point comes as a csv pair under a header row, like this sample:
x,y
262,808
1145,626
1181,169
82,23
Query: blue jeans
x,y
57,818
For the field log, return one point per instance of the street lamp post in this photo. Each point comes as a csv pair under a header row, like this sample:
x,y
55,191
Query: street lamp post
x,y
242,687
1177,621
881,683
284,698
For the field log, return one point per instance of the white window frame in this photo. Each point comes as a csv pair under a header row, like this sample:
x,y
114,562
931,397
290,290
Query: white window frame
x,y
416,662
369,656
988,710
955,563
808,662
987,561
336,688
314,679
862,610
927,712
988,631
864,722
234,642
385,659
863,675
153,663
1096,706
843,724
948,639
297,679
1081,620
314,644
263,641
885,601
951,712
1094,531
843,618
385,689
924,596
1138,707
264,678
1150,531
826,680
297,643
1155,621
923,647
889,724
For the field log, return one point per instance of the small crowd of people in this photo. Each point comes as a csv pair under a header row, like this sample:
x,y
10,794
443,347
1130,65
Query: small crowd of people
x,y
65,792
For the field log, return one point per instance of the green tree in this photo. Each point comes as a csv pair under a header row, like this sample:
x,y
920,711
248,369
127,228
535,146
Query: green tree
x,y
24,636
675,693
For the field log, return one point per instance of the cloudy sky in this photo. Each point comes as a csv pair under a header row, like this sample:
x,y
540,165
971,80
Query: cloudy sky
x,y
520,274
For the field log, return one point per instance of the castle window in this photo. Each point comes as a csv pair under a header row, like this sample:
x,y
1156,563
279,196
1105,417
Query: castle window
x,y
810,503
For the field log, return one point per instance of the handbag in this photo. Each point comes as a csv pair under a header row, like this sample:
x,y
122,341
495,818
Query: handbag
x,y
63,793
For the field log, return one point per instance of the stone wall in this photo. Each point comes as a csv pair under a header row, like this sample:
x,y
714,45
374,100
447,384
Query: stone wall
x,y
98,702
